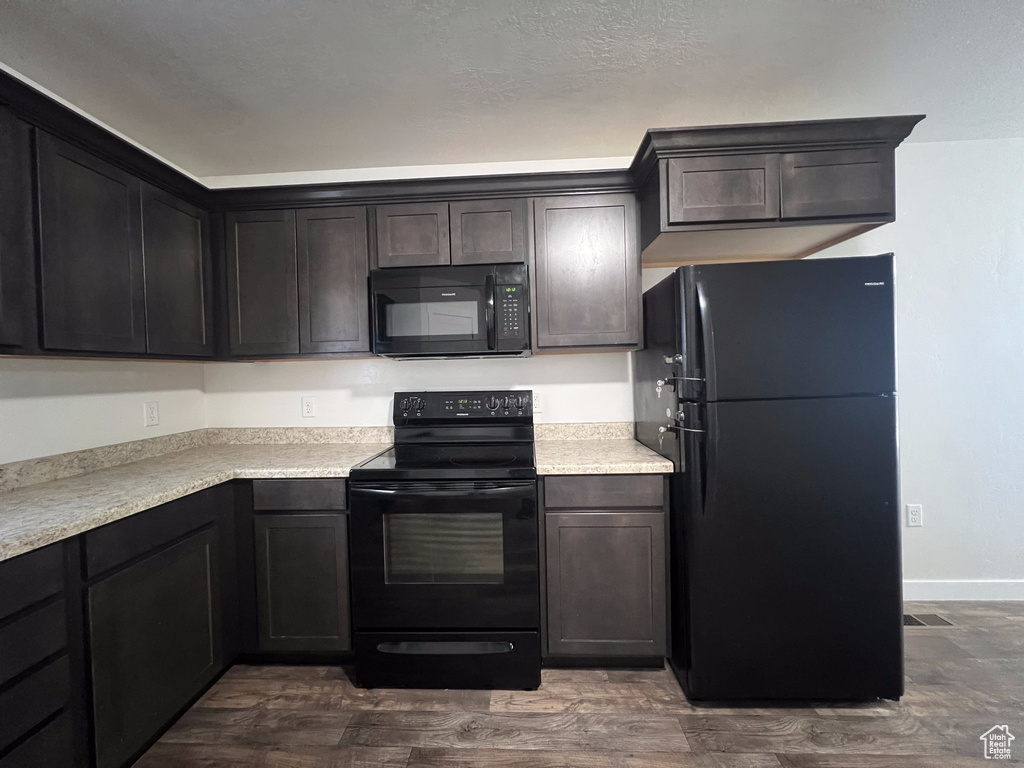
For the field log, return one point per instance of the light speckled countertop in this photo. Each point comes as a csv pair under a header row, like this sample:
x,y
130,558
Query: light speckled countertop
x,y
37,515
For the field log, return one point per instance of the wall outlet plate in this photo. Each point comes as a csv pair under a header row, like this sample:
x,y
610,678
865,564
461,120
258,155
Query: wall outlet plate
x,y
538,402
308,407
151,414
915,516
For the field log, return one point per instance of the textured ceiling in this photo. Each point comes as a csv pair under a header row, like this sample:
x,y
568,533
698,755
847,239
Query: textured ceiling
x,y
224,87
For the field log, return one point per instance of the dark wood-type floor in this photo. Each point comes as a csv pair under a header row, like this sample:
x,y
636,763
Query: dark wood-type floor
x,y
961,680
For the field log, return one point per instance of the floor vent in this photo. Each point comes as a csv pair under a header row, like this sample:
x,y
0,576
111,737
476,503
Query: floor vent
x,y
911,621
925,620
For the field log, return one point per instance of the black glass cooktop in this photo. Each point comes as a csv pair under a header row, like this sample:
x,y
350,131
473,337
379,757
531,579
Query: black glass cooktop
x,y
436,461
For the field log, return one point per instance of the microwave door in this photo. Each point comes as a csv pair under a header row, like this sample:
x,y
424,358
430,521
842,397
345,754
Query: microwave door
x,y
432,321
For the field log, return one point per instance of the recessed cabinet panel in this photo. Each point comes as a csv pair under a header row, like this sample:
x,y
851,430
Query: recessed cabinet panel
x,y
606,583
853,182
17,292
91,252
333,303
413,235
176,253
154,640
488,231
587,271
723,188
302,582
262,289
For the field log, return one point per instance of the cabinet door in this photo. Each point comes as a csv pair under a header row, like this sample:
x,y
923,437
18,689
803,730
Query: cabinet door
x,y
852,182
606,583
488,231
333,308
155,642
263,302
17,291
722,188
413,235
175,247
91,250
587,271
302,582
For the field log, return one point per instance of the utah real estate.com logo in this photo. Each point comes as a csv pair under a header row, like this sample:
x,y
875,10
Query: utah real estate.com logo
x,y
997,742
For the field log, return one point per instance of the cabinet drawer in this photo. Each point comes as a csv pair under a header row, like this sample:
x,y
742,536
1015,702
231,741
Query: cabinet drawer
x,y
852,182
723,188
26,704
31,577
52,747
31,639
604,491
117,543
310,495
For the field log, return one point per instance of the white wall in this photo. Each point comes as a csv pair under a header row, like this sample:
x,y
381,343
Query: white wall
x,y
53,406
959,245
572,388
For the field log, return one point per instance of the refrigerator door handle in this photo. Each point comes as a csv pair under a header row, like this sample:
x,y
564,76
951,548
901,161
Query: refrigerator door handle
x,y
707,341
709,481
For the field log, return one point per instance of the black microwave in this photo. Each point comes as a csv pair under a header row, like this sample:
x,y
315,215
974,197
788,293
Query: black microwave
x,y
469,310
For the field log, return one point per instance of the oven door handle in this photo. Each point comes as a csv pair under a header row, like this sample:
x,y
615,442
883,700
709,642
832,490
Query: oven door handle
x,y
453,490
492,331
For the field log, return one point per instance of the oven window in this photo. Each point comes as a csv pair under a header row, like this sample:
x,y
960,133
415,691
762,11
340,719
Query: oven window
x,y
428,319
438,548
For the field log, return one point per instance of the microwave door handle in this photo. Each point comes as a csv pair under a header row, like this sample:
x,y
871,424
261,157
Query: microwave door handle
x,y
489,289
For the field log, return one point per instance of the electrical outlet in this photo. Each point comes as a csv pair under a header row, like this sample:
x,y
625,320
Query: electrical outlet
x,y
915,516
538,402
308,407
151,414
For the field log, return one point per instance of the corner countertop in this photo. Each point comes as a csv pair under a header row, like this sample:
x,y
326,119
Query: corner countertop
x,y
36,515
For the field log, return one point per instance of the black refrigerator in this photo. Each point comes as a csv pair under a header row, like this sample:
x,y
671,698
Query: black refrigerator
x,y
772,388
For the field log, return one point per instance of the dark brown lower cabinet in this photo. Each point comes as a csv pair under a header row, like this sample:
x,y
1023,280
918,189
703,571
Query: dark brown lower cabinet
x,y
302,582
605,583
155,642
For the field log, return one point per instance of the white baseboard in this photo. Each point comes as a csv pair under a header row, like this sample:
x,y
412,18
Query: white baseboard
x,y
980,589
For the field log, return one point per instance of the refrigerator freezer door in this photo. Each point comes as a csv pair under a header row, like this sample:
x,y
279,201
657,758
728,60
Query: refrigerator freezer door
x,y
791,582
810,328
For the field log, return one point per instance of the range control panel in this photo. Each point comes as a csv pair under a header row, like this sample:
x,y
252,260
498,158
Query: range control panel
x,y
458,406
511,312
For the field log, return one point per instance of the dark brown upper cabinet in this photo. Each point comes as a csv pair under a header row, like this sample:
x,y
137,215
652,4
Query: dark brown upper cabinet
x,y
17,283
332,271
764,190
586,272
413,235
488,231
91,252
852,182
175,246
263,305
723,188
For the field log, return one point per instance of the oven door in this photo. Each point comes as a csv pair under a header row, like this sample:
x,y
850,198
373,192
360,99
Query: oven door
x,y
434,320
444,555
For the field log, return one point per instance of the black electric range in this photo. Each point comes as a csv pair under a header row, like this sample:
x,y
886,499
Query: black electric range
x,y
444,546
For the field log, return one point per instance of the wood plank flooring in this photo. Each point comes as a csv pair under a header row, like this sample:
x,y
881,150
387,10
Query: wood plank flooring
x,y
961,680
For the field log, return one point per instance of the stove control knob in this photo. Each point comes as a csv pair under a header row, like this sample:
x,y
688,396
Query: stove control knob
x,y
523,401
493,403
404,404
510,402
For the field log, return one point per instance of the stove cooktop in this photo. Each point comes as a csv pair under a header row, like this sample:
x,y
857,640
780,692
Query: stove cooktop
x,y
450,462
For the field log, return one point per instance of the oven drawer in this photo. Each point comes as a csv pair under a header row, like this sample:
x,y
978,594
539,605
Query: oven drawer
x,y
495,660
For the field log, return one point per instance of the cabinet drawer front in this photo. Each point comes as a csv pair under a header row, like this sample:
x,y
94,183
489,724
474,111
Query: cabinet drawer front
x,y
604,491
326,494
31,577
121,541
302,582
722,188
853,182
488,231
413,235
31,639
154,639
52,747
606,583
26,704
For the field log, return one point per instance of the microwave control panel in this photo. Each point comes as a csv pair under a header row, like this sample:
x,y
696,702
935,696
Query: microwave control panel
x,y
511,311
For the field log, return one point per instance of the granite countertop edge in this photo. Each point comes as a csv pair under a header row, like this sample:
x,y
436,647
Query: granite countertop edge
x,y
36,516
